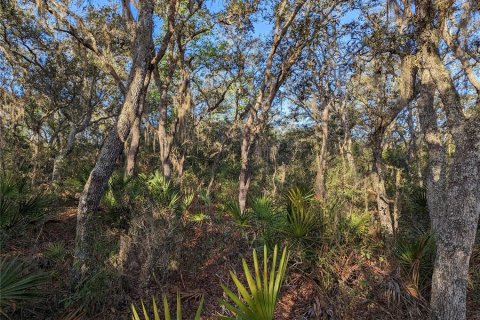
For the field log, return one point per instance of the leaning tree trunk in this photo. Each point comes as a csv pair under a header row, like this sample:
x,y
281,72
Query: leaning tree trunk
x,y
113,145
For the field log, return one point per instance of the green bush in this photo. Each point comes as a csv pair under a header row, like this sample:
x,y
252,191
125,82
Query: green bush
x,y
263,209
268,218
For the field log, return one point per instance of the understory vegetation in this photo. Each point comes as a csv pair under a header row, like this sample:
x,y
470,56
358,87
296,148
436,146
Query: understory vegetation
x,y
155,238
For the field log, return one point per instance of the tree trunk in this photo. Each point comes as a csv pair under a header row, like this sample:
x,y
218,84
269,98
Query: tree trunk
x,y
163,138
347,137
113,145
136,133
322,135
396,201
58,163
248,145
455,228
378,180
133,148
453,191
413,150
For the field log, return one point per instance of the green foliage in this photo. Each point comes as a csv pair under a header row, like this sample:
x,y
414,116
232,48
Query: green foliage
x,y
301,218
17,284
94,292
204,196
9,195
268,218
416,258
240,218
354,228
164,192
166,310
18,205
79,178
395,157
187,200
259,300
56,251
199,217
263,208
119,191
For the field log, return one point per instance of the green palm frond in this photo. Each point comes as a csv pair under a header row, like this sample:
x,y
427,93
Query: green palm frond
x,y
187,200
20,204
301,219
163,190
263,208
17,284
257,301
416,257
166,310
240,218
56,251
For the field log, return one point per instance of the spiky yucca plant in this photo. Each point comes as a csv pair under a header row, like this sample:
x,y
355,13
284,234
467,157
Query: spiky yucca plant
x,y
259,300
166,310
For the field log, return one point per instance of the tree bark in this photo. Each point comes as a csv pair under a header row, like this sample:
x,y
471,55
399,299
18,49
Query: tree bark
x,y
247,149
59,160
164,140
133,148
136,133
321,154
453,187
378,180
113,145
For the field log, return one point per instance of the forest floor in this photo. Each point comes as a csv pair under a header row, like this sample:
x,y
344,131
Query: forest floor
x,y
363,288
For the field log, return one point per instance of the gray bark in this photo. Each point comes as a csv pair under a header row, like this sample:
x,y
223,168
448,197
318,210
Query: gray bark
x,y
136,134
259,111
453,187
378,180
113,145
59,161
321,146
245,177
164,139
133,148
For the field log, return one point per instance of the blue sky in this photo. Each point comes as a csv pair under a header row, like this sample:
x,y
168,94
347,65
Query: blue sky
x,y
261,27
